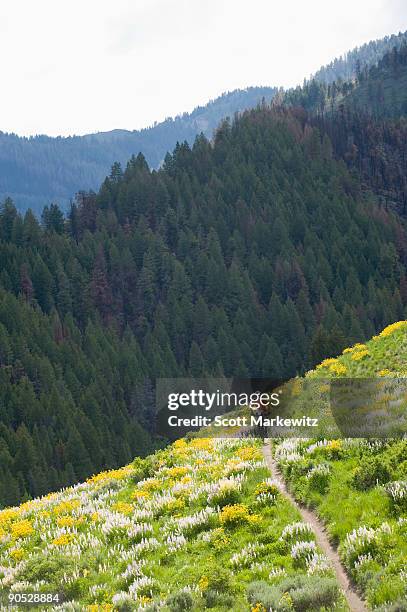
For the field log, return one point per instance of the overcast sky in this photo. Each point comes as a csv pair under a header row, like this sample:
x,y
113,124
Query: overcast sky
x,y
79,66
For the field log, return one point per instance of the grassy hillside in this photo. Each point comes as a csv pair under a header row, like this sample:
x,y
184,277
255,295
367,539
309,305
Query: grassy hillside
x,y
201,524
359,487
191,527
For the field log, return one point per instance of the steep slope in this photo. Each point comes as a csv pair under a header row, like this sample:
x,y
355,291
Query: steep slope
x,y
125,538
199,525
366,121
39,170
347,66
382,90
255,256
359,487
379,91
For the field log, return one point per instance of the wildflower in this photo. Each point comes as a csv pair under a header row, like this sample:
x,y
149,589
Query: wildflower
x,y
302,551
177,471
140,495
295,529
267,486
356,347
104,477
390,329
246,556
384,372
8,515
66,507
175,542
22,529
66,521
338,368
150,484
64,539
360,355
327,363
233,515
123,507
17,554
203,583
258,607
248,453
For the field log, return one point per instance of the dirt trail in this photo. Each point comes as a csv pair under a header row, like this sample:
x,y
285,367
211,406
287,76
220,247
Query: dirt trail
x,y
354,601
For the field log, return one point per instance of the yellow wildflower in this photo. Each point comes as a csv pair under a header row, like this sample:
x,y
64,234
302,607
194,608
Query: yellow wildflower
x,y
151,484
248,453
390,329
123,507
203,583
334,445
140,495
202,444
338,368
178,444
66,521
64,539
17,554
327,362
22,529
384,372
356,347
8,515
177,471
119,474
359,355
266,487
258,608
233,515
66,507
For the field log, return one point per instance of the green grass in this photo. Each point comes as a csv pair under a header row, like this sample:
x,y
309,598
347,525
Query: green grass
x,y
82,542
352,489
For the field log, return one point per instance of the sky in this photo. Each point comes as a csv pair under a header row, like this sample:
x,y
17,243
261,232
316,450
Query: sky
x,y
81,66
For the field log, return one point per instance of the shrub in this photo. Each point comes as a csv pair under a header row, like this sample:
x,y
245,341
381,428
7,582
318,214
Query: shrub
x,y
318,478
214,599
314,594
178,602
260,592
398,606
371,471
228,494
301,593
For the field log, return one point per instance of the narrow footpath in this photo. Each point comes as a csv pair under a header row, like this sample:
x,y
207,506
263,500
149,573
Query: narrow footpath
x,y
355,603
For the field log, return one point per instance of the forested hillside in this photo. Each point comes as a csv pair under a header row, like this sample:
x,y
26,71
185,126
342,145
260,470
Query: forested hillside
x,y
257,255
40,170
366,122
347,66
37,171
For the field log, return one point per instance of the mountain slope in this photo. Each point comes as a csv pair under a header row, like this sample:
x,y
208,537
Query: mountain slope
x,y
359,487
193,527
347,66
125,537
255,256
39,170
366,123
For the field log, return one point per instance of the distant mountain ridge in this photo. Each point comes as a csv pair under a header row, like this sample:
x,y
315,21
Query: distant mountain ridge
x,y
346,66
39,170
